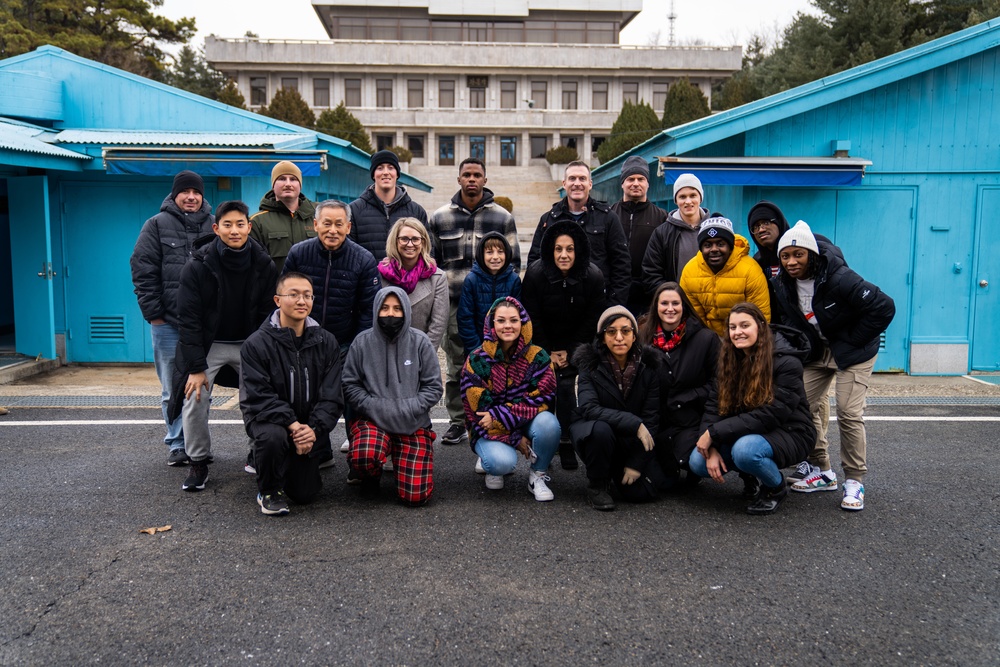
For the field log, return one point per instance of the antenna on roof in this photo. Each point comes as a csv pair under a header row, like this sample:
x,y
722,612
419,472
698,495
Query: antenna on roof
x,y
672,18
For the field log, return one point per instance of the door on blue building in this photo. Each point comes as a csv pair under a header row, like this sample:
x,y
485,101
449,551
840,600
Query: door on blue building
x,y
986,284
874,228
32,272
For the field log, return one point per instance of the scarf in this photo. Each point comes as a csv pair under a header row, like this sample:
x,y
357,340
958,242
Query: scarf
x,y
661,342
395,274
623,377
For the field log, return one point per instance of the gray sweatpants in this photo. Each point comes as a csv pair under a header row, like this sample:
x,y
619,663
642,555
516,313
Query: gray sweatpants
x,y
197,441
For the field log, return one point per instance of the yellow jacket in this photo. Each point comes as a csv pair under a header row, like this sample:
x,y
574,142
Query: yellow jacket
x,y
712,295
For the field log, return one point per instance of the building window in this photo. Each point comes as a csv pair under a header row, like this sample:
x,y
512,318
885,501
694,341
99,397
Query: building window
x,y
508,94
352,28
446,150
600,32
384,29
570,141
508,32
446,31
595,143
258,91
290,82
384,142
477,91
321,92
477,31
600,90
415,142
539,94
540,32
415,93
477,147
539,146
446,94
508,151
415,30
660,95
569,95
383,93
352,92
571,32
630,92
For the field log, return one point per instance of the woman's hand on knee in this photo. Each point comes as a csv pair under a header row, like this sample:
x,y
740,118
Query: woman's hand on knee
x,y
715,465
631,475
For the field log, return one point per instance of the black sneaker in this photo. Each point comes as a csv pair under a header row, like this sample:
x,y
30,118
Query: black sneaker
x,y
599,498
567,456
197,477
353,478
273,504
326,459
454,435
768,500
178,457
751,486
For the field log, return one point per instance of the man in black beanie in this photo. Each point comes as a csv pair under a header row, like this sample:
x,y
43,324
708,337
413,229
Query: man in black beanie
x,y
163,247
381,205
639,219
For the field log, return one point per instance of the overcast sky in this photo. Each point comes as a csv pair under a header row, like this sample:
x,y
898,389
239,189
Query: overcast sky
x,y
713,22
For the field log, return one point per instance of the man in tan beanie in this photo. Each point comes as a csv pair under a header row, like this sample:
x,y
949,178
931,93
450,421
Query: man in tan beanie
x,y
286,216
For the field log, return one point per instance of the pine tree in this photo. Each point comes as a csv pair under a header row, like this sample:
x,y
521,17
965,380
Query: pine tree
x,y
288,105
232,96
192,73
342,124
635,124
685,103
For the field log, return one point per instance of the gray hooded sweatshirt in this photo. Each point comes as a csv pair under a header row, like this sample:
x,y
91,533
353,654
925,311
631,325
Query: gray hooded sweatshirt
x,y
393,383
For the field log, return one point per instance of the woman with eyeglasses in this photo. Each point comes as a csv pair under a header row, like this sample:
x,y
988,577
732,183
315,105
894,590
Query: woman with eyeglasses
x,y
689,353
408,265
757,418
564,293
619,403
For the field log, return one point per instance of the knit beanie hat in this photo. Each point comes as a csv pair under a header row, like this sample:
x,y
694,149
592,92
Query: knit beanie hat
x,y
762,212
801,236
612,314
187,180
716,227
384,157
688,181
286,168
635,165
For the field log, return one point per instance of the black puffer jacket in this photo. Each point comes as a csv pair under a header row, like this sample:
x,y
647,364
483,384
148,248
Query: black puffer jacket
x,y
786,422
852,312
371,219
600,399
163,247
563,309
686,375
639,220
345,282
199,301
608,247
284,383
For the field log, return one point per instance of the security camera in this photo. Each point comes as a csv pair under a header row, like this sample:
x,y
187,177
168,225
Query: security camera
x,y
531,104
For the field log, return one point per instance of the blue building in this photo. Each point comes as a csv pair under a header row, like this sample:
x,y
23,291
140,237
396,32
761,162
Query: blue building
x,y
898,161
87,154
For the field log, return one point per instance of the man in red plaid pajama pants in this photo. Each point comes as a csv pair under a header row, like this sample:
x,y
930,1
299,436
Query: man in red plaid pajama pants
x,y
392,379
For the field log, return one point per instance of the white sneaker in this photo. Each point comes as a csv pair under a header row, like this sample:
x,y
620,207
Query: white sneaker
x,y
494,482
346,445
387,466
818,481
802,470
536,482
854,496
480,470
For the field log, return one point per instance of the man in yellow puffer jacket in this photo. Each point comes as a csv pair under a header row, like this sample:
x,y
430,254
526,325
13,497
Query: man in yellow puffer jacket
x,y
722,275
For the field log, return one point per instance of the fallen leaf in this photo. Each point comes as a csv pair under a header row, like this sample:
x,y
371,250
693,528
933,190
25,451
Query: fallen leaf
x,y
153,531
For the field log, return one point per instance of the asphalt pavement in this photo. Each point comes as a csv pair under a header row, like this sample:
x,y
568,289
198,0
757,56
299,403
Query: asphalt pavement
x,y
490,577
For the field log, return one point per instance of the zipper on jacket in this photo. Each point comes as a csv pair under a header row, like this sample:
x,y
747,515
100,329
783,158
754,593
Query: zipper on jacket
x,y
326,301
291,386
305,374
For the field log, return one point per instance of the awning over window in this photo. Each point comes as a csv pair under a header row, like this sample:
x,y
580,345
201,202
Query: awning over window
x,y
773,171
208,161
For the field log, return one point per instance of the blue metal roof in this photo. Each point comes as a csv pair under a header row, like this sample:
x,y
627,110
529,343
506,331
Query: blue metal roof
x,y
25,138
160,138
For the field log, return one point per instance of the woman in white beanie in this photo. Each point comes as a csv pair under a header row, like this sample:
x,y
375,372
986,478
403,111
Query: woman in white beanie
x,y
843,315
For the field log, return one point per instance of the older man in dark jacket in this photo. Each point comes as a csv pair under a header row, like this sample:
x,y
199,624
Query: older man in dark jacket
x,y
226,292
163,247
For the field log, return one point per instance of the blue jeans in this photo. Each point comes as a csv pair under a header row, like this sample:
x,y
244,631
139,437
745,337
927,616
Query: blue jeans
x,y
751,454
499,458
165,339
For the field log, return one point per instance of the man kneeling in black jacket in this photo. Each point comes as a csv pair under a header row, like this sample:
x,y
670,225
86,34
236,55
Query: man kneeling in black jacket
x,y
291,397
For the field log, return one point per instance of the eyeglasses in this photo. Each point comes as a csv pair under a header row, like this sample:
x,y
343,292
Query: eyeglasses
x,y
760,223
409,240
625,332
295,296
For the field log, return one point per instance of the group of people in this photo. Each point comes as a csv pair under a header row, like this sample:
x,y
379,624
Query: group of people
x,y
650,346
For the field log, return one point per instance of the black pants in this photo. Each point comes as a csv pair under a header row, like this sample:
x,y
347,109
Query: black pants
x,y
565,398
603,453
280,468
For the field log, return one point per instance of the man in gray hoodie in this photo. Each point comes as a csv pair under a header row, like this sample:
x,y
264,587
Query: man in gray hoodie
x,y
392,379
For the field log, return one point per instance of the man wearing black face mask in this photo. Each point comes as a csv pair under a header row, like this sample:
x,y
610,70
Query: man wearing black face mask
x,y
391,380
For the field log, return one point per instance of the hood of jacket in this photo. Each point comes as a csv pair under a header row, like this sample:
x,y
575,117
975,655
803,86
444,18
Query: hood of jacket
x,y
769,257
490,342
401,198
674,217
190,219
487,200
790,341
380,298
581,243
481,253
271,203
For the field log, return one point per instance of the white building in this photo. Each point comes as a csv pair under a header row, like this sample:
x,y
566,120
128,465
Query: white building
x,y
499,79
